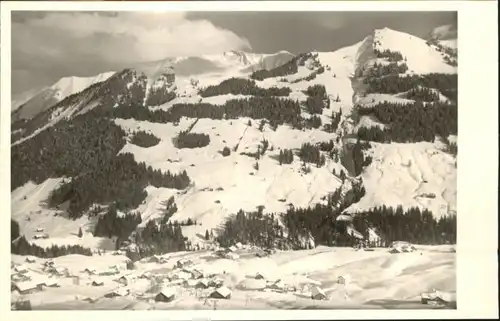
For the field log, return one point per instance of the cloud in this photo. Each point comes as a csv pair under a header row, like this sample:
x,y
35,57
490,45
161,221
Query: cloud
x,y
121,37
84,42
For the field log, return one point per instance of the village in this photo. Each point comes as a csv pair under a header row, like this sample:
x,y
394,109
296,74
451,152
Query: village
x,y
240,275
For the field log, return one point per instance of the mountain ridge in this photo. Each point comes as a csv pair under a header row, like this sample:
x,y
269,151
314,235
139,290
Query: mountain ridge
x,y
332,89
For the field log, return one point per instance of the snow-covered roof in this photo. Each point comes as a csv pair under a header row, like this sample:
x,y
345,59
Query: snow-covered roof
x,y
168,292
279,283
233,248
239,245
20,268
121,291
232,255
203,281
24,286
344,217
223,291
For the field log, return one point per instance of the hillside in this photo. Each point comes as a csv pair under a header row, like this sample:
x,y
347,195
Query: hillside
x,y
302,139
47,97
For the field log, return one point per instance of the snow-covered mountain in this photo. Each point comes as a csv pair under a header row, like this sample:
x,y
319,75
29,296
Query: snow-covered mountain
x,y
191,94
33,102
48,97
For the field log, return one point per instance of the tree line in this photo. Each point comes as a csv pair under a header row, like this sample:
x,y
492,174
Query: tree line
x,y
388,54
111,224
122,181
160,95
381,70
293,228
289,68
410,122
393,84
413,225
423,94
68,148
23,247
240,86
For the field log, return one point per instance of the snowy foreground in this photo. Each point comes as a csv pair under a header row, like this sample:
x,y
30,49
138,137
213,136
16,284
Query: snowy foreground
x,y
349,279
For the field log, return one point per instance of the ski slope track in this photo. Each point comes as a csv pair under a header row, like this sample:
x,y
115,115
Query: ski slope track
x,y
399,174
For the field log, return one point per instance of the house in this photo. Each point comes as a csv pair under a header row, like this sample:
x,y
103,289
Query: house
x,y
221,293
90,271
216,283
51,283
22,305
123,280
317,293
395,250
278,285
154,259
232,248
112,271
40,229
166,295
25,287
117,292
60,271
181,275
49,263
344,279
402,246
97,283
432,298
30,259
183,263
21,269
232,256
261,254
239,245
259,276
41,236
344,217
202,284
91,299
196,274
20,277
220,253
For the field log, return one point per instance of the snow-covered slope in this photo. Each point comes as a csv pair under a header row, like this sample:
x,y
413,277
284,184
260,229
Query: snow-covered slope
x,y
400,174
49,96
420,57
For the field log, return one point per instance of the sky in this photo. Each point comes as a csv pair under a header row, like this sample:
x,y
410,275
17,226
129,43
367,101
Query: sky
x,y
49,45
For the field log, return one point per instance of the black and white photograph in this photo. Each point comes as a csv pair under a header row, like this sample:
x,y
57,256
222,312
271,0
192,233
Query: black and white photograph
x,y
233,160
